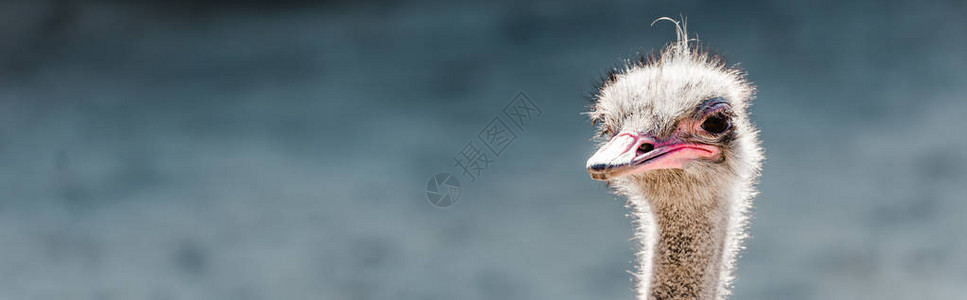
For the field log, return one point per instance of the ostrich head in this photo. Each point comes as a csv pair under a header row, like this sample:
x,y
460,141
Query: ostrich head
x,y
679,144
673,120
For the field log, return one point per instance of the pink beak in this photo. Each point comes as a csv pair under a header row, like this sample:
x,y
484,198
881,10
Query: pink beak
x,y
630,153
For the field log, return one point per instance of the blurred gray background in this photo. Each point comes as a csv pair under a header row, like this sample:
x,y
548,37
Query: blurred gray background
x,y
279,149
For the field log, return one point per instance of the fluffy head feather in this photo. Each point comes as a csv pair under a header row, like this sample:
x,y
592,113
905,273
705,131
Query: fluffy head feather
x,y
655,93
662,95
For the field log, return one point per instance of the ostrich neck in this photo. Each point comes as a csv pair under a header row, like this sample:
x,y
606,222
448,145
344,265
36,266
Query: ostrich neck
x,y
683,231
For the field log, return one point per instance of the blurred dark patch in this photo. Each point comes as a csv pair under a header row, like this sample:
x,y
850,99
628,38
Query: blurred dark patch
x,y
46,36
69,187
372,190
524,24
244,293
420,295
191,258
68,247
927,259
457,78
361,289
371,253
38,33
940,166
786,290
520,25
104,295
137,171
162,294
494,284
295,133
62,162
208,7
845,261
916,208
282,64
134,172
370,37
458,233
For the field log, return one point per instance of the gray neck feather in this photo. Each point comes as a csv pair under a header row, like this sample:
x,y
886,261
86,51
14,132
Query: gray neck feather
x,y
683,228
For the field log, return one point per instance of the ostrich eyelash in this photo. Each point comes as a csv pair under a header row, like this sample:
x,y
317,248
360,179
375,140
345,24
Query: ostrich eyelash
x,y
714,106
606,132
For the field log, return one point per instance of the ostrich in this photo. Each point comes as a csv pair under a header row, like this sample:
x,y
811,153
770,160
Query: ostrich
x,y
680,147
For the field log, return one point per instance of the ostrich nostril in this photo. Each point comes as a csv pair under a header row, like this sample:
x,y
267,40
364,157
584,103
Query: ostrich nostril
x,y
598,167
645,148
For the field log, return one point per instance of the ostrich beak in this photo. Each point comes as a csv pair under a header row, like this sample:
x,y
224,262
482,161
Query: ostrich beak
x,y
630,153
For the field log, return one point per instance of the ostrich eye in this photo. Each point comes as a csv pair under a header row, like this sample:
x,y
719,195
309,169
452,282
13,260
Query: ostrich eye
x,y
717,123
